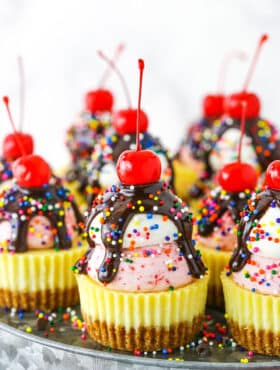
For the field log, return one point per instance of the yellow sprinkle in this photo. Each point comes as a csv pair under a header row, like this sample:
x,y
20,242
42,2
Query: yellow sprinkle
x,y
120,241
226,316
136,223
155,198
28,329
139,201
107,213
61,213
41,315
59,224
141,209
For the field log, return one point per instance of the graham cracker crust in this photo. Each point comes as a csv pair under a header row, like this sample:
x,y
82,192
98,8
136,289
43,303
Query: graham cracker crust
x,y
143,338
44,300
215,297
260,341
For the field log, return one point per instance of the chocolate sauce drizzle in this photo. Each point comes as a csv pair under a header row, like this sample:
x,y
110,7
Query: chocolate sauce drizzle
x,y
267,146
121,204
218,205
26,203
262,203
89,178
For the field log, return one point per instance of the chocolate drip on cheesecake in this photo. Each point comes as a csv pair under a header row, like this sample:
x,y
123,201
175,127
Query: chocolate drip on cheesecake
x,y
250,216
22,204
116,209
216,205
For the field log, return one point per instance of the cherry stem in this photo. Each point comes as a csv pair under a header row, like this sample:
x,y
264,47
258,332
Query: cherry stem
x,y
228,58
6,101
120,48
242,129
252,67
21,92
113,67
141,66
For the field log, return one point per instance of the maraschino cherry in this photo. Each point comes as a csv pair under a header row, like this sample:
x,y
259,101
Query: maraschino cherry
x,y
16,144
102,100
238,176
272,178
29,170
213,104
124,120
233,103
138,167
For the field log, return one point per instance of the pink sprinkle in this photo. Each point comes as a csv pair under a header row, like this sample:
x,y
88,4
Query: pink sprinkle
x,y
83,336
256,249
172,210
179,214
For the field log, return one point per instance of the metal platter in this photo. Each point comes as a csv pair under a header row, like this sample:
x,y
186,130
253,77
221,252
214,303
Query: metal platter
x,y
24,346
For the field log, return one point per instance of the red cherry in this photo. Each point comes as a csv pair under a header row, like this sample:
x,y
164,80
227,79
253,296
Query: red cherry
x,y
237,176
124,121
11,149
31,171
98,101
141,166
233,105
138,167
213,106
272,178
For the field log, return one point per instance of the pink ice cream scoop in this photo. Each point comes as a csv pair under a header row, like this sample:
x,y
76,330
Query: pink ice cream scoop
x,y
151,259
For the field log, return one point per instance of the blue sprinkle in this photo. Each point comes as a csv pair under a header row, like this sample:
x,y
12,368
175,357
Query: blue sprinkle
x,y
102,269
167,238
149,216
193,242
164,351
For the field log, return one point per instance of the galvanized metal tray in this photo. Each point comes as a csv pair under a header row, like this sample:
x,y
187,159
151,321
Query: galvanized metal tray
x,y
24,346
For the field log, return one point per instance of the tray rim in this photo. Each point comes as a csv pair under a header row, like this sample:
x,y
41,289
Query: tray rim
x,y
125,358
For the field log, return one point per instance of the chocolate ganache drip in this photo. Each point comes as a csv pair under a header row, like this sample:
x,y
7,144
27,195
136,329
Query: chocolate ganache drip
x,y
216,205
116,209
110,152
264,139
22,204
255,209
